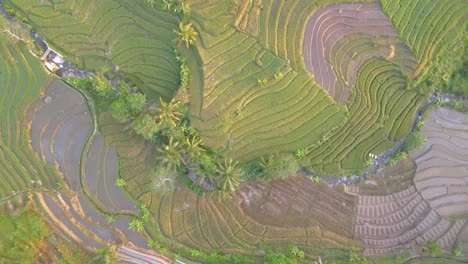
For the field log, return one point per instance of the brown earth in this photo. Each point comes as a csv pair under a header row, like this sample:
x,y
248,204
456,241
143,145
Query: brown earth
x,y
435,207
442,174
297,202
389,180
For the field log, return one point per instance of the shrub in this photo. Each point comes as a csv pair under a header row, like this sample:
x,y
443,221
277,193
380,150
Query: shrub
x,y
432,248
296,252
300,153
102,86
120,110
457,252
196,253
457,105
261,81
278,259
397,157
120,183
414,140
82,83
354,257
110,218
315,179
278,166
192,186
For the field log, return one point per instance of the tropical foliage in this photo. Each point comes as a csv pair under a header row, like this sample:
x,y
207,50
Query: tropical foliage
x,y
22,237
186,34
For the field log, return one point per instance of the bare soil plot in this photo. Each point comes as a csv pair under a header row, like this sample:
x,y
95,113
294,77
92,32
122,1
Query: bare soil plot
x,y
298,202
60,126
209,224
339,30
442,173
390,180
394,223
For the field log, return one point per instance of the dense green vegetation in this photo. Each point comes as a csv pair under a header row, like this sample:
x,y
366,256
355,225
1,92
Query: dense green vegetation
x,y
22,237
26,238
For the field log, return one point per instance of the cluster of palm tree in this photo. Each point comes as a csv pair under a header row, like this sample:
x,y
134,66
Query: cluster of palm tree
x,y
182,150
190,155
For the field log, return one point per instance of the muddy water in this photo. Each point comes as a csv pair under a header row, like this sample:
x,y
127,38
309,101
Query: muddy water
x,y
60,126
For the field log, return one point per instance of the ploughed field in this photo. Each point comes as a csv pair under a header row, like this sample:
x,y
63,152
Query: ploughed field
x,y
434,207
442,174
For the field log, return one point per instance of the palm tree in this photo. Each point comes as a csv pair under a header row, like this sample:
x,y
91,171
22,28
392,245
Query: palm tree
x,y
268,166
186,34
193,147
150,2
172,154
183,8
136,225
168,114
229,175
105,255
167,4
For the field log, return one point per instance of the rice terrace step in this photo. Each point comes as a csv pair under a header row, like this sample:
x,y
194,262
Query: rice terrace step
x,y
233,131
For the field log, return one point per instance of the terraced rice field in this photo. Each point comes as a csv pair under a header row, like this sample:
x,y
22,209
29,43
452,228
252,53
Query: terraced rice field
x,y
435,207
136,156
391,224
267,76
442,173
230,226
291,110
79,222
60,129
233,110
381,113
288,204
205,223
60,126
120,33
100,177
339,38
21,81
426,26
